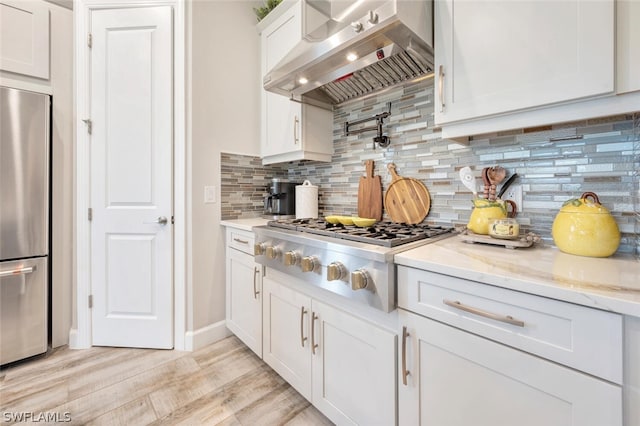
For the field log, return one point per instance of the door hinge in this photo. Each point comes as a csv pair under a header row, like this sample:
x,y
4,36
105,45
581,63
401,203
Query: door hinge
x,y
89,124
90,213
90,301
90,40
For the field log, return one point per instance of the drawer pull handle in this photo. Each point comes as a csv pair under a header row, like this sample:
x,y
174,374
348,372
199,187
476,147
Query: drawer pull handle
x,y
405,372
502,318
238,240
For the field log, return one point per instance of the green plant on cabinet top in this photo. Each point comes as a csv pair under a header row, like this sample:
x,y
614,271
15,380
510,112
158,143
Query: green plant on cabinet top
x,y
263,11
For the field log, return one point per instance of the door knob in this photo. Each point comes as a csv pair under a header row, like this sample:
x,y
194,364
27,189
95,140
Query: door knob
x,y
160,221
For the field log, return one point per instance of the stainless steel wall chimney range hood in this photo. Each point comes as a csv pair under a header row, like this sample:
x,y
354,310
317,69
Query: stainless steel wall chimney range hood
x,y
358,47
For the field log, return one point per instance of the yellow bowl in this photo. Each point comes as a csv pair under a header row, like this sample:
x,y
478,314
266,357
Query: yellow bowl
x,y
332,219
345,220
363,222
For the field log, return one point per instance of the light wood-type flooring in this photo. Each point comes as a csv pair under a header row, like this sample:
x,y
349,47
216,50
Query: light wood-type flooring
x,y
224,383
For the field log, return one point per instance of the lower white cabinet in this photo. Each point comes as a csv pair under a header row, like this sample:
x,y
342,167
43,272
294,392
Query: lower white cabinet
x,y
473,354
244,290
341,363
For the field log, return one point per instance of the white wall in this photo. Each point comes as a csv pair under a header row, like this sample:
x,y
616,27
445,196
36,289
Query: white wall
x,y
225,114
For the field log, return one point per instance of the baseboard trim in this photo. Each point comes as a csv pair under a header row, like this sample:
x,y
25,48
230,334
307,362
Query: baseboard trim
x,y
204,336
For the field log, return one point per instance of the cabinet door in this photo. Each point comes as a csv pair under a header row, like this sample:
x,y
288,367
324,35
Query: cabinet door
x,y
244,301
458,378
354,379
24,38
499,56
286,339
280,116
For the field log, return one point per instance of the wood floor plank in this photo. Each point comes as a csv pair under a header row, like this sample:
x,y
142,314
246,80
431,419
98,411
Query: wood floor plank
x,y
309,416
96,404
226,400
106,373
278,407
137,412
224,383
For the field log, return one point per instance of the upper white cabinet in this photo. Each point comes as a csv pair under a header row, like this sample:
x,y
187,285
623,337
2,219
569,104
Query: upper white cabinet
x,y
24,38
290,130
494,57
628,53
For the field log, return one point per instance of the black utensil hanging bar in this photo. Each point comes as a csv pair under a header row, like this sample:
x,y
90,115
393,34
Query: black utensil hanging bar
x,y
382,140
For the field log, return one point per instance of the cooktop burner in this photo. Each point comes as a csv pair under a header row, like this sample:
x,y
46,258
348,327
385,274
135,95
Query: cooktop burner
x,y
386,234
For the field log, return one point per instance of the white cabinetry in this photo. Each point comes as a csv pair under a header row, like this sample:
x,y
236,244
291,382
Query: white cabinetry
x,y
512,64
494,57
244,290
466,356
290,130
628,54
343,364
24,38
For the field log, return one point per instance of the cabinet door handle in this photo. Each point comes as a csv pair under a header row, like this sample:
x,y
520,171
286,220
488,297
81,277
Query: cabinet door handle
x,y
314,345
238,240
405,372
296,121
502,318
441,87
303,339
256,292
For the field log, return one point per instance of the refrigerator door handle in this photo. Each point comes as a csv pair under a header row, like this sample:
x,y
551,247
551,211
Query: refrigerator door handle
x,y
18,271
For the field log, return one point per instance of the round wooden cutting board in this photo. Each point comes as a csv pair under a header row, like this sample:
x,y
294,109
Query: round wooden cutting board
x,y
407,200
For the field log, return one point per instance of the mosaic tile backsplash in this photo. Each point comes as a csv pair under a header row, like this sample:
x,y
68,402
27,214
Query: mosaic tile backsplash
x,y
554,164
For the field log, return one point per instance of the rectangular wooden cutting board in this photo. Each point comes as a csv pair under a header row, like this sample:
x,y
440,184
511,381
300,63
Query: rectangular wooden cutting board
x,y
370,194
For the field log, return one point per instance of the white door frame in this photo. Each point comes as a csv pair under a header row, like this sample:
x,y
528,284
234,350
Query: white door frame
x,y
80,337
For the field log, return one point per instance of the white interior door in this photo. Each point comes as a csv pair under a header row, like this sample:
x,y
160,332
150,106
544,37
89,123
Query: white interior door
x,y
131,177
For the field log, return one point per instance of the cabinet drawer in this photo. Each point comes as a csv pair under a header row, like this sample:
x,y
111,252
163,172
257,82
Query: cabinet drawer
x,y
583,338
241,240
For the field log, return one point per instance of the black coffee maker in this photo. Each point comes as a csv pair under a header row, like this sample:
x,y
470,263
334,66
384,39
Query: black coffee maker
x,y
281,200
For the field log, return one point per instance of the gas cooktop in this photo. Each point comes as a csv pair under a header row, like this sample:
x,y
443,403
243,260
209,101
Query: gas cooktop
x,y
385,234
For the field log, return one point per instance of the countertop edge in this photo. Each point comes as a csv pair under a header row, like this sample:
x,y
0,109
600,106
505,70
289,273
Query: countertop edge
x,y
574,294
244,224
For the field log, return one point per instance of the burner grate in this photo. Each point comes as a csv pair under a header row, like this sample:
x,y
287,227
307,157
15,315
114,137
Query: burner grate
x,y
386,234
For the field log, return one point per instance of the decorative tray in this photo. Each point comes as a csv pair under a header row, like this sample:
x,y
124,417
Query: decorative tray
x,y
524,240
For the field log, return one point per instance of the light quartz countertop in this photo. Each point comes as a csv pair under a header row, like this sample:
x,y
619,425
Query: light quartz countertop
x,y
611,284
244,224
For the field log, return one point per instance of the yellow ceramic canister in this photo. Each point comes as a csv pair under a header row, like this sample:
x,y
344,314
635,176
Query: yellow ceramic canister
x,y
585,228
485,211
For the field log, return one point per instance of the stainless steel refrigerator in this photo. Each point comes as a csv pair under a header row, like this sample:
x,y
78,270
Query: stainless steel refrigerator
x,y
24,223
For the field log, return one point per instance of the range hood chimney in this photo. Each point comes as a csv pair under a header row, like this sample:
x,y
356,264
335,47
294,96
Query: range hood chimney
x,y
368,46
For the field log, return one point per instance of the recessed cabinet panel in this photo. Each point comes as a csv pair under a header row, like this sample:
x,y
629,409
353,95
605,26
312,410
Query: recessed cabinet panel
x,y
24,38
501,56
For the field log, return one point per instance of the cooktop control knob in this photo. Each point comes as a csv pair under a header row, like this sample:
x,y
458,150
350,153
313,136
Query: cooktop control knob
x,y
309,263
357,26
373,17
291,258
336,271
259,249
359,279
273,252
